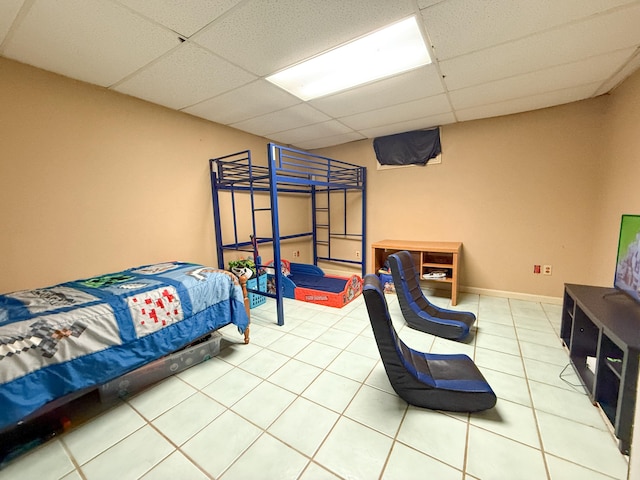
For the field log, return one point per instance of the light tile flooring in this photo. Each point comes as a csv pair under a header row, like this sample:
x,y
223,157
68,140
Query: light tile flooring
x,y
310,400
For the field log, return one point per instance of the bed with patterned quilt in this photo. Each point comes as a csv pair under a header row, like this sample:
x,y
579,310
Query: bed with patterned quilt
x,y
66,338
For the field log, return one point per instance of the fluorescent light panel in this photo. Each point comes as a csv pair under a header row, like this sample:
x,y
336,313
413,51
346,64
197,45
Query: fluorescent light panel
x,y
391,50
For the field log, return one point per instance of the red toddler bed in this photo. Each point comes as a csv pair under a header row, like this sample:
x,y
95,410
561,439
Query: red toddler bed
x,y
310,284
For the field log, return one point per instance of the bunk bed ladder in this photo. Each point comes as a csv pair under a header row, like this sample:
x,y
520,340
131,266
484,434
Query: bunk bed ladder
x,y
325,227
321,226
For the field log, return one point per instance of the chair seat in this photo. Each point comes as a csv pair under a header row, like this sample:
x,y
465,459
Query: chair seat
x,y
435,381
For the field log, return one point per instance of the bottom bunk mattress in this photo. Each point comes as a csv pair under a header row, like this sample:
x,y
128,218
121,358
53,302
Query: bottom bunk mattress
x,y
81,334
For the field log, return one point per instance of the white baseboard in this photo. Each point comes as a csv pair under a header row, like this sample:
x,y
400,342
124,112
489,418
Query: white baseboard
x,y
515,295
479,291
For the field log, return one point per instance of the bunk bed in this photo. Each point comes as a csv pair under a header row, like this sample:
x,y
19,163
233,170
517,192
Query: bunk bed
x,y
64,341
324,181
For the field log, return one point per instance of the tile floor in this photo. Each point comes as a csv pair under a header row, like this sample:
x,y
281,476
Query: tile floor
x,y
311,400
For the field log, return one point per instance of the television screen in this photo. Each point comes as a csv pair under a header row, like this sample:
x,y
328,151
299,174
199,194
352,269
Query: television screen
x,y
628,265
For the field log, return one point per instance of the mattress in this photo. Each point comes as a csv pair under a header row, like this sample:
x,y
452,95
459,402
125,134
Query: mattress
x,y
80,334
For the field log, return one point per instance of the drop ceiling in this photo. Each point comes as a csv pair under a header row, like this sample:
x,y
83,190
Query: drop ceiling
x,y
210,58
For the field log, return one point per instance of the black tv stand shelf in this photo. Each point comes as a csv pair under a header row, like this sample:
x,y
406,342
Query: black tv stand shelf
x,y
601,328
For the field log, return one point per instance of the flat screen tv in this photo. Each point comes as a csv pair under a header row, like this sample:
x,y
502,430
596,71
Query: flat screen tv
x,y
628,265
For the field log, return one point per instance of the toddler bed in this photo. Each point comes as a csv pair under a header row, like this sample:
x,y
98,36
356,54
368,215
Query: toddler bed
x,y
310,284
78,335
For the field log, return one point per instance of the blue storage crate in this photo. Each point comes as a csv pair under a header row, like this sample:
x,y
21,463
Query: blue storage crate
x,y
260,284
387,282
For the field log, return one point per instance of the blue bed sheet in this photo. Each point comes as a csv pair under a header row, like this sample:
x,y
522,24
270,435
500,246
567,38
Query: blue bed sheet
x,y
319,282
60,339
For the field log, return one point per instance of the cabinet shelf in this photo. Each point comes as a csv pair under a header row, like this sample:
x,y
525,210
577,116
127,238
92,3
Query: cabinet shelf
x,y
437,265
443,280
427,256
615,365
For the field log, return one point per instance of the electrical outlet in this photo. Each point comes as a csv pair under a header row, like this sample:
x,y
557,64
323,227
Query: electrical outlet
x,y
546,270
296,253
357,253
536,269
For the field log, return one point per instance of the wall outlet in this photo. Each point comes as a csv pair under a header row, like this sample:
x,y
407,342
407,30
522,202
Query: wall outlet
x,y
357,253
546,270
536,269
296,254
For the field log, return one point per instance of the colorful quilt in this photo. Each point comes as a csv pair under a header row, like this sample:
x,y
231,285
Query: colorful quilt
x,y
60,339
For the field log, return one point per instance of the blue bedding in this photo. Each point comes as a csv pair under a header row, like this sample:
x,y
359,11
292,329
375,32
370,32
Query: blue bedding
x,y
80,334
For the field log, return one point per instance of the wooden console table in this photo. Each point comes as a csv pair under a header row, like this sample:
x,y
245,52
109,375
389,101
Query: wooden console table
x,y
601,328
427,256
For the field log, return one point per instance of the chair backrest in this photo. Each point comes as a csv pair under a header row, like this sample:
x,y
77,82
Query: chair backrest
x,y
407,283
442,382
397,357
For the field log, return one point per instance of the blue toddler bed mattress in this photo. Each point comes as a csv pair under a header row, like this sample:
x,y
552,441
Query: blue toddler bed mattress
x,y
60,339
318,282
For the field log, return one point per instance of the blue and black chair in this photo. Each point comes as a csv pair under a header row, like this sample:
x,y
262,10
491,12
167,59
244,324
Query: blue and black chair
x,y
417,310
439,382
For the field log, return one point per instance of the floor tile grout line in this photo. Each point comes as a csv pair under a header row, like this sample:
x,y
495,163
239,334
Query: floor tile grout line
x,y
533,408
468,422
119,403
74,462
394,442
341,414
265,430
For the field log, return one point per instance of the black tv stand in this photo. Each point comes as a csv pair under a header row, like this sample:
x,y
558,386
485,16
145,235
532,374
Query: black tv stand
x,y
613,293
603,338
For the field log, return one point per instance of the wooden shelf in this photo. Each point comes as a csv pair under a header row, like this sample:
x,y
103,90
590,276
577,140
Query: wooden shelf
x,y
427,256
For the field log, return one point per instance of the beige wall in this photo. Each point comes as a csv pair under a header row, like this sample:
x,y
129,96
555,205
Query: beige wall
x,y
517,190
619,182
92,181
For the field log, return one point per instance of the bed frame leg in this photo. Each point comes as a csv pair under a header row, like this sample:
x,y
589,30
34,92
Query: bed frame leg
x,y
245,294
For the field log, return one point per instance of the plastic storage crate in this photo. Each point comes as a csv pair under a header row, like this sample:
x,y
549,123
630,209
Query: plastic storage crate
x,y
157,370
387,282
259,283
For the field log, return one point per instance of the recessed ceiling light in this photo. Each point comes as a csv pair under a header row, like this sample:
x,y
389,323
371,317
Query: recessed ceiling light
x,y
393,49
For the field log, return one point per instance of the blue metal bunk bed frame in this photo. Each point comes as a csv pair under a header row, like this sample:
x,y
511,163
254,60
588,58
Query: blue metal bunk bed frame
x,y
293,172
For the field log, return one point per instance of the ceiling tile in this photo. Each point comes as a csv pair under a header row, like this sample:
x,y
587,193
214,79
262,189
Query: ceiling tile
x,y
292,117
310,132
594,36
186,76
525,104
457,27
427,3
595,69
330,141
494,57
252,100
95,41
410,125
185,17
396,113
630,67
274,35
419,83
8,11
